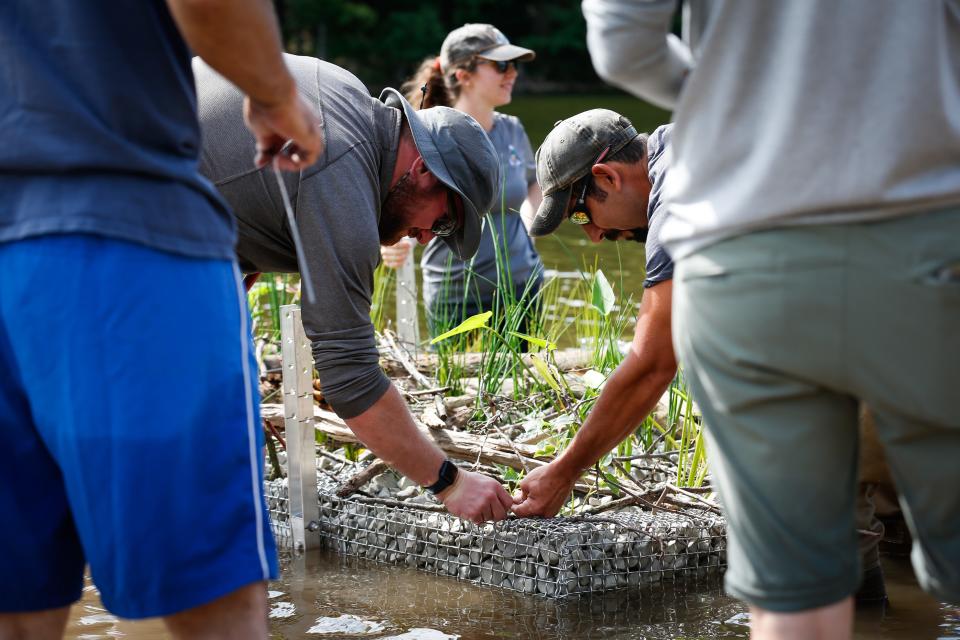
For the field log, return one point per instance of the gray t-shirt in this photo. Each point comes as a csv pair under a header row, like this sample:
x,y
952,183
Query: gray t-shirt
x,y
444,276
659,265
337,204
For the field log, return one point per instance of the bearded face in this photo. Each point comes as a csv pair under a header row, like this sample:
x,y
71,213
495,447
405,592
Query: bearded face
x,y
403,201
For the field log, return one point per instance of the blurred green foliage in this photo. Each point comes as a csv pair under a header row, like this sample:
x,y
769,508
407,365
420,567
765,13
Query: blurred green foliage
x,y
382,42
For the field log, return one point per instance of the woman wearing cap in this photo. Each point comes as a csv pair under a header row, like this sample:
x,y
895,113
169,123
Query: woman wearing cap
x,y
475,73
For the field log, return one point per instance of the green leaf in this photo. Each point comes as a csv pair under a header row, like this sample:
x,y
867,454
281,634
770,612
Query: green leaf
x,y
471,323
603,298
544,371
540,342
546,449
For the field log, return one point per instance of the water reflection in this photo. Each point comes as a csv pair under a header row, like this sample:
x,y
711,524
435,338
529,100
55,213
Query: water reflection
x,y
323,595
403,600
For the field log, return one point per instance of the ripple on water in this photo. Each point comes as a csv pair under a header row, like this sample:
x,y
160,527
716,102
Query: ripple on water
x,y
97,618
423,634
346,624
282,610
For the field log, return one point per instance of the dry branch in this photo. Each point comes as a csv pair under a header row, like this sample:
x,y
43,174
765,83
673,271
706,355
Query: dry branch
x,y
357,480
456,444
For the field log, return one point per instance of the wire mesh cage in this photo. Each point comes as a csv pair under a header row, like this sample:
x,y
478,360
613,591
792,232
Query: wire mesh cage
x,y
556,557
278,508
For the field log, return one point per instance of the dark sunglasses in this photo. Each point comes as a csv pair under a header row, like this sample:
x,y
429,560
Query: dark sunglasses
x,y
446,224
581,214
502,66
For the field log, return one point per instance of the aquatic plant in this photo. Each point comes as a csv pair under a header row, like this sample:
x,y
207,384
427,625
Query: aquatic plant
x,y
384,288
692,452
265,298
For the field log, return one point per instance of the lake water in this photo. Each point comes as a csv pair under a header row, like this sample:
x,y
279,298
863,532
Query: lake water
x,y
349,598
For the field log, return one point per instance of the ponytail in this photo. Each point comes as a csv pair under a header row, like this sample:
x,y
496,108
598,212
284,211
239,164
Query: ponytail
x,y
430,76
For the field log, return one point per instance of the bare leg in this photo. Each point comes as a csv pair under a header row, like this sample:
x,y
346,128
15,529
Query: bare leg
x,y
240,615
36,625
832,622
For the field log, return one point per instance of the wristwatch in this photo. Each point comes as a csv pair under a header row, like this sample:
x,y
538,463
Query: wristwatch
x,y
448,474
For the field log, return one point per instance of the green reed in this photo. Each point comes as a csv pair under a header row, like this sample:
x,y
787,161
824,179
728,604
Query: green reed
x,y
271,291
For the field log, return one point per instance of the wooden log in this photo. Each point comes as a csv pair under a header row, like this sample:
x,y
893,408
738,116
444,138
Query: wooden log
x,y
456,444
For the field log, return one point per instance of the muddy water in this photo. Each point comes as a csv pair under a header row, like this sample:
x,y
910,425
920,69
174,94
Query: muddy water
x,y
325,596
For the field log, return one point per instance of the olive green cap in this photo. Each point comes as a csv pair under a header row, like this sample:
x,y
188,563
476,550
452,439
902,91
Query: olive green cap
x,y
567,154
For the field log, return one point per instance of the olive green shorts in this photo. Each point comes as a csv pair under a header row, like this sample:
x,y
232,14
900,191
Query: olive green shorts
x,y
782,334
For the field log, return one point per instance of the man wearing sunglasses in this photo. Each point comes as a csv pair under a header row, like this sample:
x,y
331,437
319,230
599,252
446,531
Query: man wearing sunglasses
x,y
598,172
387,172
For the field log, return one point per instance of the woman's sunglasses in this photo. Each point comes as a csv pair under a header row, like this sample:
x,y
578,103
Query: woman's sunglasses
x,y
502,66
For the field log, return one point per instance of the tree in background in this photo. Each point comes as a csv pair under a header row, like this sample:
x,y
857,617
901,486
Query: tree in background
x,y
382,41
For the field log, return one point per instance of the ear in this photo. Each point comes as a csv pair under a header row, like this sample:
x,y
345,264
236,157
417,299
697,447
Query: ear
x,y
607,176
462,75
421,175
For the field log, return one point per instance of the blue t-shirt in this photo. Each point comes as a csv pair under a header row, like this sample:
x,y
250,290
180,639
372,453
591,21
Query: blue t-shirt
x,y
444,276
659,264
99,128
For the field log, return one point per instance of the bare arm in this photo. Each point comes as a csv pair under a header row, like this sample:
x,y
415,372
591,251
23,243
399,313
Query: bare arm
x,y
387,429
532,203
241,40
629,395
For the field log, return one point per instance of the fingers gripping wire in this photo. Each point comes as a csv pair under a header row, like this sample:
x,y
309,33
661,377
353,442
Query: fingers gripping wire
x,y
306,281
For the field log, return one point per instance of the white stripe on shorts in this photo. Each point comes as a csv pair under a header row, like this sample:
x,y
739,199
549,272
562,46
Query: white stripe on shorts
x,y
255,487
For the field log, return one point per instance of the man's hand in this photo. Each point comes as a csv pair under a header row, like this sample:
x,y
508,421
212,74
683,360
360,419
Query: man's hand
x,y
476,498
395,255
544,491
289,119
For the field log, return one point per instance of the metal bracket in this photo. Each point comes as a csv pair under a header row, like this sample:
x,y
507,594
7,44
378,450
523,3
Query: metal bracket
x,y
298,422
408,328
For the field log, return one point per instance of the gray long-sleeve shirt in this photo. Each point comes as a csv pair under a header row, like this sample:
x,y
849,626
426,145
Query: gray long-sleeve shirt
x,y
337,205
812,112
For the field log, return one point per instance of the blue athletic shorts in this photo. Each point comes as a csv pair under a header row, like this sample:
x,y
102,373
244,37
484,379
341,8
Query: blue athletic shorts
x,y
129,426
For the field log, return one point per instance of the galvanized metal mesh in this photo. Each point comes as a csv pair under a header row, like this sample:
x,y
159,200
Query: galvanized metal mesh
x,y
555,557
278,508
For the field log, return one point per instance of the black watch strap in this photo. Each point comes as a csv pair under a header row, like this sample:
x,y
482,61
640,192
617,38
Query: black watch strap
x,y
448,473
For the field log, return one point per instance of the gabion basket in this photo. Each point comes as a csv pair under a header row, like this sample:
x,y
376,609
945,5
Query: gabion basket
x,y
278,508
556,557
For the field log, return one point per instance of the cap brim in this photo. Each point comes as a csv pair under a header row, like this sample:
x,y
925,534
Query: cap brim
x,y
465,241
507,52
549,214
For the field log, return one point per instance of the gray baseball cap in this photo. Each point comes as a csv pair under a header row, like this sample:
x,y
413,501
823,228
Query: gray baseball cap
x,y
567,155
458,152
481,40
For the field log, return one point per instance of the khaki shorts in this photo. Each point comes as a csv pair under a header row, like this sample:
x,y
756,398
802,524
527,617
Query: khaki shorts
x,y
782,334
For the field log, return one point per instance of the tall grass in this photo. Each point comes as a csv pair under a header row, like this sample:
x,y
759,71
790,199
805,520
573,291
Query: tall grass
x,y
590,310
511,313
691,448
384,293
271,291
